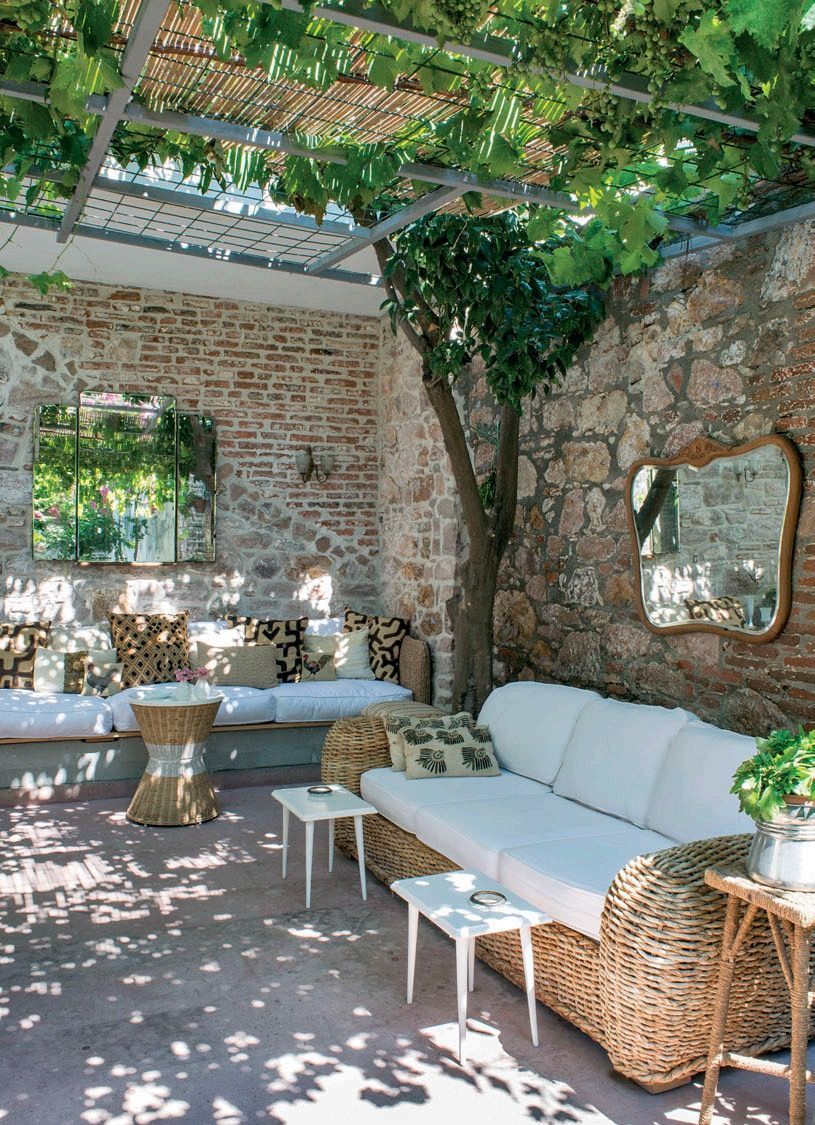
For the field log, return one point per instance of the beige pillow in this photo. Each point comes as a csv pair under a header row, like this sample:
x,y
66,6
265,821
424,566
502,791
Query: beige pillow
x,y
352,660
252,666
397,723
450,752
322,646
103,675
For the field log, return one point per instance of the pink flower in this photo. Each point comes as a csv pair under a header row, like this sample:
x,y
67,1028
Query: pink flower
x,y
183,675
104,492
200,673
53,510
39,516
93,504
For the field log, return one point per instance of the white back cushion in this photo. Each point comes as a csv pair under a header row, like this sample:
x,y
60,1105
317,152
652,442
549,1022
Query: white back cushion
x,y
615,755
692,798
531,725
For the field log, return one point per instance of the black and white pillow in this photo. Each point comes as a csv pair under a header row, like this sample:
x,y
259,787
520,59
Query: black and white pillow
x,y
18,650
286,636
385,636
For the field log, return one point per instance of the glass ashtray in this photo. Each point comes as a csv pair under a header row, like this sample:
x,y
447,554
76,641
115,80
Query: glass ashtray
x,y
488,898
319,790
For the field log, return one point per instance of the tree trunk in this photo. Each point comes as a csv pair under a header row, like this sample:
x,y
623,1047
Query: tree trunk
x,y
473,633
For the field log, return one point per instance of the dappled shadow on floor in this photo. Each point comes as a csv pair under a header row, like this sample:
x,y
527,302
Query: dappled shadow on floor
x,y
152,975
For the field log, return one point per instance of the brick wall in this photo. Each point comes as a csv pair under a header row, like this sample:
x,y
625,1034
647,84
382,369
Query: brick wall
x,y
274,379
720,342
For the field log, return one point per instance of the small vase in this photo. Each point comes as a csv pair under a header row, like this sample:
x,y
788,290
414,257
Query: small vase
x,y
183,693
200,690
783,849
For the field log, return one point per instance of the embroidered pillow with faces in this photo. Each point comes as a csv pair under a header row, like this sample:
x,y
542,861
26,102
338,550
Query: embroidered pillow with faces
x,y
18,649
151,646
397,726
286,636
385,636
449,752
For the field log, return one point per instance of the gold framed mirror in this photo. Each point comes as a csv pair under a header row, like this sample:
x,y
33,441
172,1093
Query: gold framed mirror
x,y
712,534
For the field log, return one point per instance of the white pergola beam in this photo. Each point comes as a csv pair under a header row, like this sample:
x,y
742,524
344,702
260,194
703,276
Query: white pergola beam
x,y
147,24
433,201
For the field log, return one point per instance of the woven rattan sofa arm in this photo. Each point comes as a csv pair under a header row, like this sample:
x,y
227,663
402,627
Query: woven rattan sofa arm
x,y
351,747
415,669
660,938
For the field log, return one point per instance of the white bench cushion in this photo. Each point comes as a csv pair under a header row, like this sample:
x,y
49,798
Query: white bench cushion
x,y
474,833
531,725
569,878
240,705
332,699
615,754
400,799
29,714
692,798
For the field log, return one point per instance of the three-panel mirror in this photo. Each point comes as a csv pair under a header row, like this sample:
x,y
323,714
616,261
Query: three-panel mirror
x,y
124,478
713,533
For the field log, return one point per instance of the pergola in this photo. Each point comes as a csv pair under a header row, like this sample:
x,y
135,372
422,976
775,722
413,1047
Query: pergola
x,y
174,81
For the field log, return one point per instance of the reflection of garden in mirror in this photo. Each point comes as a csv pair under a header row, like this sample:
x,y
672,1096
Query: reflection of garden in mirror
x,y
124,478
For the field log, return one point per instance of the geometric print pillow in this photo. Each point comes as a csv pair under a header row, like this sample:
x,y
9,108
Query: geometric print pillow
x,y
151,646
385,636
287,637
18,649
397,726
451,752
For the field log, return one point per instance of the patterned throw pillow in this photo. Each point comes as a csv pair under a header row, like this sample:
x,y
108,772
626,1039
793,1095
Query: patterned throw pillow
x,y
723,611
59,671
385,636
286,636
318,667
253,666
450,752
104,674
399,724
18,649
151,646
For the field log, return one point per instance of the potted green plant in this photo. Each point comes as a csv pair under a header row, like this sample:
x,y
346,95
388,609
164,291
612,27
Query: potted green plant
x,y
776,787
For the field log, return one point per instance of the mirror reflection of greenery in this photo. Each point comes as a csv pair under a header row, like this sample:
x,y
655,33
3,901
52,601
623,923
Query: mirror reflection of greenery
x,y
128,446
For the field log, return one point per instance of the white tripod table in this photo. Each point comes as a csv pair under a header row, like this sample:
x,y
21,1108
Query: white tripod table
x,y
311,807
445,901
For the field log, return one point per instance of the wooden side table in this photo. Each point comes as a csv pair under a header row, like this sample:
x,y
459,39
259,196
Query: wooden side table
x,y
791,916
176,788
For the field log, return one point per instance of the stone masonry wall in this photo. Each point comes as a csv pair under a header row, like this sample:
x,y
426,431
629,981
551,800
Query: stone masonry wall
x,y
274,379
720,342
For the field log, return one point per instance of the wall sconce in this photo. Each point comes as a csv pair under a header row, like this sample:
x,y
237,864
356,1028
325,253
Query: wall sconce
x,y
746,474
310,465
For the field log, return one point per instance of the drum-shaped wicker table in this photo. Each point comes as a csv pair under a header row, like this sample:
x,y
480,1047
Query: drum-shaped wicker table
x,y
175,788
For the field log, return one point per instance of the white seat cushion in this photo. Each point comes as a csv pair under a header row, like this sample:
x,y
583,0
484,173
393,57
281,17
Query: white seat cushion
x,y
332,699
615,754
240,705
400,799
569,878
531,725
692,798
29,714
474,833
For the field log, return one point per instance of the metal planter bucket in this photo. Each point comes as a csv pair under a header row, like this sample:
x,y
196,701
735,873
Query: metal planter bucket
x,y
783,849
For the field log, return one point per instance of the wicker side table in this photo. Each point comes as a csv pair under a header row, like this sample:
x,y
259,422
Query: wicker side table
x,y
791,916
175,788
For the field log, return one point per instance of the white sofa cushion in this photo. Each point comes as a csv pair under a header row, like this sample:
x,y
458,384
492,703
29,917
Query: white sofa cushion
x,y
692,798
474,833
240,704
399,799
569,878
531,725
76,638
332,699
28,714
615,754
325,626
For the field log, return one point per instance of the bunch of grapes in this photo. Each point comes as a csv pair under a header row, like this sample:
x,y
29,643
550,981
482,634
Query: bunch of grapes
x,y
646,43
32,15
462,17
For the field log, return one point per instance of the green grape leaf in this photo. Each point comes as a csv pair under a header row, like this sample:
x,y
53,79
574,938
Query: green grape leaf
x,y
765,20
95,20
665,10
712,45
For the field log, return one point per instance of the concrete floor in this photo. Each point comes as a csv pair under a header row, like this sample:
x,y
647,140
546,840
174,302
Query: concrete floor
x,y
152,975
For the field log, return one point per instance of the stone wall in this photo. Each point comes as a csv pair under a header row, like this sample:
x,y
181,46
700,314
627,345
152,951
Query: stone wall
x,y
720,342
274,379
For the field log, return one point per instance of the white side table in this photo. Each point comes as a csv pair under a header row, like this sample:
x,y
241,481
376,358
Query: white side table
x,y
445,901
310,808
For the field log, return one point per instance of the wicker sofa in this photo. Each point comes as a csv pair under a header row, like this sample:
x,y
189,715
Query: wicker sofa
x,y
631,955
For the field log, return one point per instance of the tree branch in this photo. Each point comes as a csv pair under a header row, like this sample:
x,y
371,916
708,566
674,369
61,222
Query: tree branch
x,y
506,477
384,250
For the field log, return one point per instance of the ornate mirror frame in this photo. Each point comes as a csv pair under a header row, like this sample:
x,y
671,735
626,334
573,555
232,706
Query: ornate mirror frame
x,y
698,454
